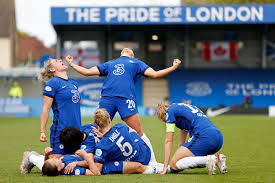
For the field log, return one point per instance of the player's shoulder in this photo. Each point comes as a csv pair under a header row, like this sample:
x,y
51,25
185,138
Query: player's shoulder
x,y
120,125
72,80
88,126
173,106
53,80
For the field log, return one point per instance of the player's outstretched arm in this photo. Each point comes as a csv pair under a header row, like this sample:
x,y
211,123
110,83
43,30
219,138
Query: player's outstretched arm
x,y
167,150
47,104
157,74
93,71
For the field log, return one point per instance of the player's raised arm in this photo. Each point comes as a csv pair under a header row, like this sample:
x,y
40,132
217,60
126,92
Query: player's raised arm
x,y
157,74
93,71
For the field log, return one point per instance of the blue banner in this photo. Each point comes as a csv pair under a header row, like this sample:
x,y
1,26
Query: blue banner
x,y
203,14
215,87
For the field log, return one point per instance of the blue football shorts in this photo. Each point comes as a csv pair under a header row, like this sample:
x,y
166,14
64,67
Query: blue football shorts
x,y
207,142
125,107
112,167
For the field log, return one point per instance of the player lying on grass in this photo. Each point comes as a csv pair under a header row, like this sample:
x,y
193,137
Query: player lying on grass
x,y
71,138
57,166
119,143
72,165
205,139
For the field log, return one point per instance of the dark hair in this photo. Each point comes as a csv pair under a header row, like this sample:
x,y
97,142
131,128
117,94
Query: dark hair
x,y
71,138
49,170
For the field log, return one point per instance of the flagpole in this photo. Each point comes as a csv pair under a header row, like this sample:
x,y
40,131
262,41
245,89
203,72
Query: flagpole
x,y
186,47
264,64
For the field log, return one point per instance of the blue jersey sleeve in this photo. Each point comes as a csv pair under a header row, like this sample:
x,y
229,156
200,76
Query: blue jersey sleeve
x,y
103,69
76,171
100,155
51,87
170,114
142,67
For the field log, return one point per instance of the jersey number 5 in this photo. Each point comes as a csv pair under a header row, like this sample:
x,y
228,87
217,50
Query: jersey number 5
x,y
122,147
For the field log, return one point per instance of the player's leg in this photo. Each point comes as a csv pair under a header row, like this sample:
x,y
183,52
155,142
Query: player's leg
x,y
109,104
31,159
128,167
136,167
221,158
128,112
185,159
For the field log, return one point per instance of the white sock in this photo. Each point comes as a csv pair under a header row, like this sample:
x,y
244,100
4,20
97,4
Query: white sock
x,y
37,160
148,143
192,162
150,170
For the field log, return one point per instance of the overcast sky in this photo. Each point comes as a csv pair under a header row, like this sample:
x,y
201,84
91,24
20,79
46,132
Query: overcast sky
x,y
33,16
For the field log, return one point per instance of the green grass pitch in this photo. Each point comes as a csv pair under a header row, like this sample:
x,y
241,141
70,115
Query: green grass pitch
x,y
249,144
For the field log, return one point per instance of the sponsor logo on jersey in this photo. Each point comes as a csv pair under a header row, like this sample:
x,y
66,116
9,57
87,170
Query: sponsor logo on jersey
x,y
61,146
77,172
98,152
48,88
119,69
63,86
76,96
198,89
116,163
83,147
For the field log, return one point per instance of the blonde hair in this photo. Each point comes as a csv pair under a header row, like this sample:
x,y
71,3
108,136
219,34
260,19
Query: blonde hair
x,y
162,108
101,117
45,73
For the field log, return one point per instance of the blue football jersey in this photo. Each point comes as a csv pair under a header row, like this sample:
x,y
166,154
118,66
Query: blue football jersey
x,y
66,103
120,145
188,117
122,74
91,138
67,159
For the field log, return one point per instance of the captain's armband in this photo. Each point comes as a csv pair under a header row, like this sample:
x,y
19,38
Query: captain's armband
x,y
170,127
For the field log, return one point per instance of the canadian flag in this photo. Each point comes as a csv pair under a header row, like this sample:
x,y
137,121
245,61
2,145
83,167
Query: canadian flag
x,y
220,51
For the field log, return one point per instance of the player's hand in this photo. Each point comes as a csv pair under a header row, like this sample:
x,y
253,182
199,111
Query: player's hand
x,y
81,153
43,137
70,168
69,60
98,133
48,151
176,63
164,171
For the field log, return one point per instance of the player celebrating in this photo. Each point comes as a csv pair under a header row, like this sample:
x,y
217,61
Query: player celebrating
x,y
119,143
205,139
118,91
62,95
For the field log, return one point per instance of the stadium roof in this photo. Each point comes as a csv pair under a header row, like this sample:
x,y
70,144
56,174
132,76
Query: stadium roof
x,y
200,14
20,72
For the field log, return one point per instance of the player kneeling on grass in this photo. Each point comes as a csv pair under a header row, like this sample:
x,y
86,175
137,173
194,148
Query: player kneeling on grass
x,y
205,139
120,143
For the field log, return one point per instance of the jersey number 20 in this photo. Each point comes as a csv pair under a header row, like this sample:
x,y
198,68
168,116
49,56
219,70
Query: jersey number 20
x,y
131,104
122,147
